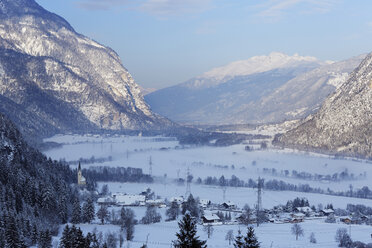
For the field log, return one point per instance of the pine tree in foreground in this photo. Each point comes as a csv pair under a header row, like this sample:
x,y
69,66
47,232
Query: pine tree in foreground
x,y
238,243
186,237
250,241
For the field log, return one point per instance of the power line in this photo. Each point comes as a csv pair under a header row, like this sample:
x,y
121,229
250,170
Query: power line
x,y
259,200
150,166
188,185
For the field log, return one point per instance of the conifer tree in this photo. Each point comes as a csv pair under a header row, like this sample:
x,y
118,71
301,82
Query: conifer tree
x,y
127,222
186,237
191,206
88,211
94,243
34,235
103,214
173,211
79,240
239,242
65,241
12,236
250,241
62,210
76,212
45,239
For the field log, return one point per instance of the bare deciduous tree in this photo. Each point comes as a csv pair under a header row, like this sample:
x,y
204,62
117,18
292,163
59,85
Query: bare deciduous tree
x,y
208,229
229,236
297,230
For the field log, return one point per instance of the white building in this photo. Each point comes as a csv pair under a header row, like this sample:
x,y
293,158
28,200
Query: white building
x,y
210,218
129,200
106,200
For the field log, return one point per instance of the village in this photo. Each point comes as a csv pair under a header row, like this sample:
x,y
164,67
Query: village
x,y
228,213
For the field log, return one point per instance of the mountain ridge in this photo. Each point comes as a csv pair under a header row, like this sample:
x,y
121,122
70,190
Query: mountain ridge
x,y
343,124
286,91
71,70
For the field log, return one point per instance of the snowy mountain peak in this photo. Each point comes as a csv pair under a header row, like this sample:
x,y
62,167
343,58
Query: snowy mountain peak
x,y
257,64
295,88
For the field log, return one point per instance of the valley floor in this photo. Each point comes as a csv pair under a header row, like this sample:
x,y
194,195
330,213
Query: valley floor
x,y
270,235
170,160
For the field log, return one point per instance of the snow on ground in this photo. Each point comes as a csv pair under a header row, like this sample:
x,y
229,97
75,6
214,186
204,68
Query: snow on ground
x,y
270,235
168,157
239,196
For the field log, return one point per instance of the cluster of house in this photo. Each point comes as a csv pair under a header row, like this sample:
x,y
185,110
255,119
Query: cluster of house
x,y
121,199
214,213
276,215
297,216
356,219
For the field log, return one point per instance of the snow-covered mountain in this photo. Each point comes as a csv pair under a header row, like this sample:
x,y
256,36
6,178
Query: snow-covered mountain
x,y
344,122
63,79
261,89
254,65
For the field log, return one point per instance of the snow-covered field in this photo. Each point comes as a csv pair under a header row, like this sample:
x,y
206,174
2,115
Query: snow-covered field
x,y
168,157
239,196
172,159
270,235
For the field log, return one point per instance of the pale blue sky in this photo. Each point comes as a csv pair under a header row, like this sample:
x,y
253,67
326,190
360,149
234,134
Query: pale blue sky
x,y
165,42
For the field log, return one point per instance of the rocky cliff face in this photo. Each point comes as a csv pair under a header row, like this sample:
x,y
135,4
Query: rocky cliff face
x,y
65,80
344,122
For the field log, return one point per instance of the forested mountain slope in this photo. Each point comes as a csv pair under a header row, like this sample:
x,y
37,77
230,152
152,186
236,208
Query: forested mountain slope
x,y
35,192
344,122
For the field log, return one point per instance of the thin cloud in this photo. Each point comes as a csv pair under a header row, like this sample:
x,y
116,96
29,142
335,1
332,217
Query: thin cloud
x,y
276,9
158,8
101,4
174,7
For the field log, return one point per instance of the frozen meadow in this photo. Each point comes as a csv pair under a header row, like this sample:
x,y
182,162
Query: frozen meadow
x,y
171,160
270,235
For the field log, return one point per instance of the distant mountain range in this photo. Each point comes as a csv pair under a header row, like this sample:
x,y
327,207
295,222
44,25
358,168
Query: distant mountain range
x,y
262,89
53,79
343,125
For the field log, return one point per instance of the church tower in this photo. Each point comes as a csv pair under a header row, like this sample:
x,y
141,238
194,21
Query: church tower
x,y
81,179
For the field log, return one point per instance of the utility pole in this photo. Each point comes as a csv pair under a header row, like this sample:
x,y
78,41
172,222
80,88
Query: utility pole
x,y
350,230
188,186
150,166
259,201
224,193
147,239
